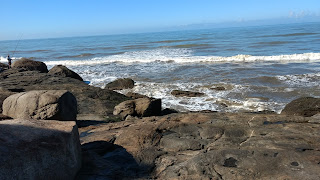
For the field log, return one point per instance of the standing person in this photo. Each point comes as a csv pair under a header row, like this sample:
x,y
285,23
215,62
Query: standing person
x,y
9,61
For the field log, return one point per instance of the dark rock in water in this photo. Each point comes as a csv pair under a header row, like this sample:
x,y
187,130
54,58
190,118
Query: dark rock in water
x,y
305,106
179,93
36,149
42,104
141,107
219,88
30,65
63,71
119,84
135,95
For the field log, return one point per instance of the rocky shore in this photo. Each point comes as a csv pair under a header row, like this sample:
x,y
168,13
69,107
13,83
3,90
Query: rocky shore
x,y
55,126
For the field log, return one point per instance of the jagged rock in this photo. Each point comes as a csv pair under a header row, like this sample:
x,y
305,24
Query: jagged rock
x,y
43,104
119,84
305,106
37,149
63,71
179,93
141,107
30,65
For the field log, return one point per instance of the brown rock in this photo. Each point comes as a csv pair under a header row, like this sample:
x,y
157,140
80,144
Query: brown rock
x,y
63,71
179,93
119,84
30,65
217,145
141,107
43,104
305,106
36,149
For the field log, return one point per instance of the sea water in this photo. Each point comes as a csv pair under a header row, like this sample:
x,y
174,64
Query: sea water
x,y
260,67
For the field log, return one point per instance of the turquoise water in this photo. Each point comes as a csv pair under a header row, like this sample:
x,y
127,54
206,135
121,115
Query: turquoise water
x,y
262,68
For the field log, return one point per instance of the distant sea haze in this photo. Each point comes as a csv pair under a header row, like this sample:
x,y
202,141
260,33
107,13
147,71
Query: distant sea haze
x,y
260,68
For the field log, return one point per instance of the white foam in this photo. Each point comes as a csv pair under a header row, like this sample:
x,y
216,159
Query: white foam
x,y
212,100
181,56
301,80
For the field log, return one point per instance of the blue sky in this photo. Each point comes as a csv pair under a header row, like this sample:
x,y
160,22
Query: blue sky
x,y
61,18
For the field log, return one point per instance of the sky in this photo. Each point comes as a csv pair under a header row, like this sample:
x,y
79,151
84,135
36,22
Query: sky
x,y
64,18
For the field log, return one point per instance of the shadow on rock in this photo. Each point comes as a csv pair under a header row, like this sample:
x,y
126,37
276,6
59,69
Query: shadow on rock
x,y
104,160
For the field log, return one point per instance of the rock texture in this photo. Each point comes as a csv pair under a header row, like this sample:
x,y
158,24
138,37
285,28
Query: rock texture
x,y
305,106
33,149
119,84
92,101
210,146
30,65
141,107
63,71
179,93
45,104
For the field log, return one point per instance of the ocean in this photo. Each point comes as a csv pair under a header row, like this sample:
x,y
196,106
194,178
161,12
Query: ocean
x,y
259,67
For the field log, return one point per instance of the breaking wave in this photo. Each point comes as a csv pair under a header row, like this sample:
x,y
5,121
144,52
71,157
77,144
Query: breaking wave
x,y
181,55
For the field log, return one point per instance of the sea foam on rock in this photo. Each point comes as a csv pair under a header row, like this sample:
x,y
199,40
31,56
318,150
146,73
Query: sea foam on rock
x,y
42,104
38,149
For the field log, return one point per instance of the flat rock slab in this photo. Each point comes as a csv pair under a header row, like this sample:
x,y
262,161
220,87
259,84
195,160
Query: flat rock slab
x,y
37,149
217,145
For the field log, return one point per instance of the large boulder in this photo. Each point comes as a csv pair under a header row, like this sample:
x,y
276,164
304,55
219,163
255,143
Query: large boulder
x,y
179,93
119,84
304,106
37,149
42,104
63,71
3,96
30,65
142,107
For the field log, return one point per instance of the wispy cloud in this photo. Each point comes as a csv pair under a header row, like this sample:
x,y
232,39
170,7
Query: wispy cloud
x,y
302,14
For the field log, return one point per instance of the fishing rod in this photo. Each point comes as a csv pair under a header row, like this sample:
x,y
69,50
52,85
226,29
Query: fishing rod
x,y
16,46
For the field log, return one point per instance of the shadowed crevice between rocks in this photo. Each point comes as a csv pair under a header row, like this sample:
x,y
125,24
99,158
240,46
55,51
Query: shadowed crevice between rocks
x,y
104,160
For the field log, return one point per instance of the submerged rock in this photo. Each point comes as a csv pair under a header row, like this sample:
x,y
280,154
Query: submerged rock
x,y
304,106
63,71
30,65
119,84
179,93
45,104
36,149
